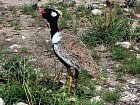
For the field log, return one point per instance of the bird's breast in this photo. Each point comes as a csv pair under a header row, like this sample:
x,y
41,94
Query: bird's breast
x,y
56,38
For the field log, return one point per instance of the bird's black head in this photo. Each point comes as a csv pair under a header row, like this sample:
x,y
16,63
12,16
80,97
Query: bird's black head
x,y
51,15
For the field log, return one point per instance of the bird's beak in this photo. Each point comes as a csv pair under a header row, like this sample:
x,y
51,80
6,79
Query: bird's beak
x,y
43,11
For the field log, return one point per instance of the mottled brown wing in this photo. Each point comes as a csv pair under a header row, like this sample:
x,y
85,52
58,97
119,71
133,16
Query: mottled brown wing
x,y
75,53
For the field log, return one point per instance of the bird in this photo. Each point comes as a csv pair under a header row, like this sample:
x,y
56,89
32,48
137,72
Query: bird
x,y
71,51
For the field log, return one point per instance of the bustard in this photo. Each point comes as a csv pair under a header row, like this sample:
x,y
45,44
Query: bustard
x,y
69,50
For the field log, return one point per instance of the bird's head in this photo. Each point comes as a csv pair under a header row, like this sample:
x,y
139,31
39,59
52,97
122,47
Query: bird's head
x,y
51,15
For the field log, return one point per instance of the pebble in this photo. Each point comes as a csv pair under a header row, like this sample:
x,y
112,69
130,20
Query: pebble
x,y
133,81
112,89
96,12
98,88
136,48
14,46
72,99
129,97
138,56
21,103
126,87
111,82
9,40
23,37
126,9
97,98
124,44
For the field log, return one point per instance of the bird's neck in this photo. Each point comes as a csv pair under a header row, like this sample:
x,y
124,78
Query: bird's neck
x,y
54,28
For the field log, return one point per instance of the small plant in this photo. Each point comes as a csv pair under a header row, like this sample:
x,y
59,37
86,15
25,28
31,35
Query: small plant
x,y
63,24
120,53
29,10
16,25
131,66
107,29
111,96
24,50
1,20
137,7
82,11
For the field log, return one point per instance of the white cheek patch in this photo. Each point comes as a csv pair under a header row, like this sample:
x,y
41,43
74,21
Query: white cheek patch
x,y
54,14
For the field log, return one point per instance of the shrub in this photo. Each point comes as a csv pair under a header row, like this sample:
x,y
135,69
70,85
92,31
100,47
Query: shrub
x,y
107,29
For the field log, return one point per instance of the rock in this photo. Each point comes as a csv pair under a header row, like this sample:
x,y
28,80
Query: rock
x,y
112,89
126,87
136,48
138,56
23,37
47,41
133,81
124,44
98,88
96,12
138,15
15,46
117,65
2,101
111,82
21,103
126,10
71,99
127,96
97,98
8,40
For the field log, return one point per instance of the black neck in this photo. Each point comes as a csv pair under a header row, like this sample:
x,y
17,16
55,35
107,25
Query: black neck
x,y
54,28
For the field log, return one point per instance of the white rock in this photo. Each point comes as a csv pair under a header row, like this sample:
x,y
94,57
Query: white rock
x,y
2,101
96,12
138,56
136,48
21,103
117,65
112,89
98,88
124,44
97,98
15,46
129,97
126,9
133,81
49,91
8,39
126,87
47,41
72,99
23,37
135,24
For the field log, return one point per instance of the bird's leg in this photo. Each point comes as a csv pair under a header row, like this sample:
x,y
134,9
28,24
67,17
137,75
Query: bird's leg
x,y
76,77
70,80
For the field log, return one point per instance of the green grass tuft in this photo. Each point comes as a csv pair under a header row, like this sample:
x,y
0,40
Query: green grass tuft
x,y
29,10
111,96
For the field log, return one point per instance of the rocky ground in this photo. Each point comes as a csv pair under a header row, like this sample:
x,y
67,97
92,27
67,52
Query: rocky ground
x,y
33,37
